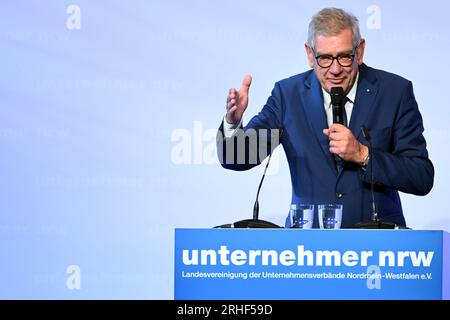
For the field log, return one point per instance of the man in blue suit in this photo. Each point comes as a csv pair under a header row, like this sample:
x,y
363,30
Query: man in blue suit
x,y
299,107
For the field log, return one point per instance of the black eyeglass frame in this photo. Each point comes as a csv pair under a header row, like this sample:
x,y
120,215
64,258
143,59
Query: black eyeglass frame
x,y
352,56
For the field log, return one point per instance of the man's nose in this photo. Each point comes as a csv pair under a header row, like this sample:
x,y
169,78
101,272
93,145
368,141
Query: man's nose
x,y
335,67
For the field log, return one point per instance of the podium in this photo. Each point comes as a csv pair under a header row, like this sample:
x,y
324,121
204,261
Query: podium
x,y
296,264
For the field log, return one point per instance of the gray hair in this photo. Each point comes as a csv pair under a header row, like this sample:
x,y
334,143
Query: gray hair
x,y
330,22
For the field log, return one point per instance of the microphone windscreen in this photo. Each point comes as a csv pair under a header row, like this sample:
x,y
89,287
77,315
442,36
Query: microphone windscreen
x,y
337,95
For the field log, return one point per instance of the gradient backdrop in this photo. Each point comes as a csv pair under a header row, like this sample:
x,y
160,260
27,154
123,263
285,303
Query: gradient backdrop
x,y
108,116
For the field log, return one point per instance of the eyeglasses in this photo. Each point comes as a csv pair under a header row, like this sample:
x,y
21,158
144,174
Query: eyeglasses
x,y
326,60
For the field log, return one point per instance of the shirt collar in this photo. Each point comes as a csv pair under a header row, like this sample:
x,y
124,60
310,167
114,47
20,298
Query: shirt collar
x,y
351,95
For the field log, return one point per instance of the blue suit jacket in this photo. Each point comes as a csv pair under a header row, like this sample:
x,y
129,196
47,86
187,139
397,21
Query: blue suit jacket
x,y
385,104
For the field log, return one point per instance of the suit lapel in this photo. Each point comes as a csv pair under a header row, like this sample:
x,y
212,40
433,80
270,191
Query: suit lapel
x,y
364,100
314,111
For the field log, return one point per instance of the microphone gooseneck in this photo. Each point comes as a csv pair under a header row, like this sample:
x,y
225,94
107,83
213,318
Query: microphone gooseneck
x,y
366,134
256,206
374,222
255,222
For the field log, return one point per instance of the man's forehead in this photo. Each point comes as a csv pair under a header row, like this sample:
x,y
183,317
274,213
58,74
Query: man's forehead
x,y
340,43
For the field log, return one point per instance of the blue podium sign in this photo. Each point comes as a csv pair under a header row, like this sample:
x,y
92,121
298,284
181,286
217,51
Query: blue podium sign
x,y
293,264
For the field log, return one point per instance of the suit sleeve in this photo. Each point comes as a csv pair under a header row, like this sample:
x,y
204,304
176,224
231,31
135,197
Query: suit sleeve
x,y
407,167
251,144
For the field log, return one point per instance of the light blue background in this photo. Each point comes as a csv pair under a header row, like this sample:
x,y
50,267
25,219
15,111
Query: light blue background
x,y
91,118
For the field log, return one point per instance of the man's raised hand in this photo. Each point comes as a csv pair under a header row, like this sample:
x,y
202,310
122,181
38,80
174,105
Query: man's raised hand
x,y
237,101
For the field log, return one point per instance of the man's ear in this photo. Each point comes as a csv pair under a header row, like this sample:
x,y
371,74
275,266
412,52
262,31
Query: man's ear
x,y
310,55
362,46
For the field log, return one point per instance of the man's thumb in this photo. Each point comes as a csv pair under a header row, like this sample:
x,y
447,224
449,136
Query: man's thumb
x,y
246,84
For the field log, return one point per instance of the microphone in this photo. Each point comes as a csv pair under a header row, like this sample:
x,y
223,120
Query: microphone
x,y
366,134
374,222
255,222
337,102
